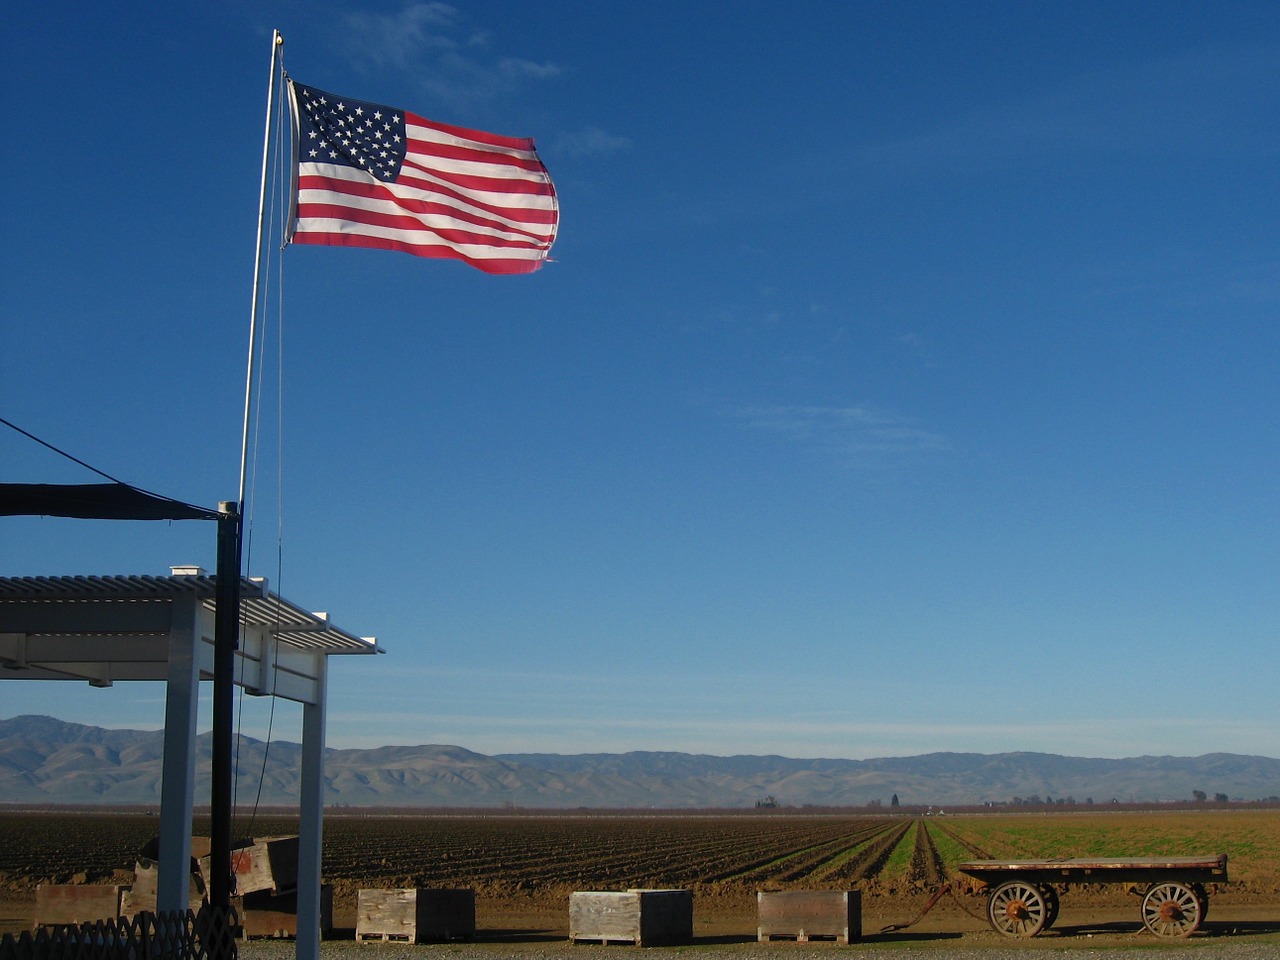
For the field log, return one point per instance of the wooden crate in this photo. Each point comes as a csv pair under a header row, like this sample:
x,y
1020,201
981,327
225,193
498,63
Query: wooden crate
x,y
146,873
415,915
76,902
643,917
804,915
142,895
268,864
264,914
133,903
151,849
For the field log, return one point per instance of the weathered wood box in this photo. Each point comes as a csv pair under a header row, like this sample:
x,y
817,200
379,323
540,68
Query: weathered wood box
x,y
415,915
643,917
132,904
76,902
146,873
143,894
804,915
269,864
264,914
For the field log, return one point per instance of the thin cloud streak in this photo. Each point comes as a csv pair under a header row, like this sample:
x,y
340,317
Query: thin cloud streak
x,y
852,429
433,45
1111,738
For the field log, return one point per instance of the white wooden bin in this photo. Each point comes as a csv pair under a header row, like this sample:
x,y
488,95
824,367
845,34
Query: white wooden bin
x,y
415,915
643,917
804,915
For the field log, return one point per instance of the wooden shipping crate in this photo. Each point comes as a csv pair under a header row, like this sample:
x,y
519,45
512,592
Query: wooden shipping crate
x,y
415,915
643,917
76,902
133,903
146,874
264,914
805,915
146,867
143,894
267,864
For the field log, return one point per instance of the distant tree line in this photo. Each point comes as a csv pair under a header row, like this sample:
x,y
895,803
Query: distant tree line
x,y
1200,797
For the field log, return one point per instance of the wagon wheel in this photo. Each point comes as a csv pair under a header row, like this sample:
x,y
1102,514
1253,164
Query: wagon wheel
x,y
1051,904
1172,909
1203,896
1018,909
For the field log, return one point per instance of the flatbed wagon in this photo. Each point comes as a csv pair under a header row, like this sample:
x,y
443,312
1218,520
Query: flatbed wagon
x,y
1023,898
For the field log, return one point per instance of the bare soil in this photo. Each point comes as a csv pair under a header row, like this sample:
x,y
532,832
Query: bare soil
x,y
523,870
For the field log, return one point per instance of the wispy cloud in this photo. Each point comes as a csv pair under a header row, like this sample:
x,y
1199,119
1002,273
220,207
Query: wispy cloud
x,y
406,39
527,68
566,732
437,46
850,430
590,142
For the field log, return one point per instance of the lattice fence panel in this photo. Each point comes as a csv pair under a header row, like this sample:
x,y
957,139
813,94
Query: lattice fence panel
x,y
184,935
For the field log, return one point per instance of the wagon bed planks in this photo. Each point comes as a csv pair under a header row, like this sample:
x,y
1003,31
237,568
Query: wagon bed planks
x,y
1211,869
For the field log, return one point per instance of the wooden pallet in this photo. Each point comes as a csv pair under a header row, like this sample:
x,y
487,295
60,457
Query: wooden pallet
x,y
801,937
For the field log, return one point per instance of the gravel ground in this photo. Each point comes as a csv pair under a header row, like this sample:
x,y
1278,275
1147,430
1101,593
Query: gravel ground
x,y
1202,950
1084,932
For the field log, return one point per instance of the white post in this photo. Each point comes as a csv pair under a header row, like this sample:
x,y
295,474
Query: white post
x,y
178,780
311,816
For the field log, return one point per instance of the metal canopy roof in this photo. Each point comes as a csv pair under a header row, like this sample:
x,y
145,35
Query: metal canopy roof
x,y
103,629
109,628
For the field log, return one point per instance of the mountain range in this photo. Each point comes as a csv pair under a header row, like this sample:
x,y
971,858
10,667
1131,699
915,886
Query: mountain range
x,y
44,760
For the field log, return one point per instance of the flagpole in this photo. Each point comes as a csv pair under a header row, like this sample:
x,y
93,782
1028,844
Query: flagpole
x,y
227,613
277,42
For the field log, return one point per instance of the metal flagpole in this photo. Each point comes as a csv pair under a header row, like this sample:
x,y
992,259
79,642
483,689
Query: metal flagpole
x,y
277,42
230,561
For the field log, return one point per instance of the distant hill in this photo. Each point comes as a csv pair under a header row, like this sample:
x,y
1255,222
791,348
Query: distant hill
x,y
44,760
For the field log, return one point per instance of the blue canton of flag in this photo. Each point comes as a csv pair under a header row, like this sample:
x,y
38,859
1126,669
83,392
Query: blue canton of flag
x,y
368,136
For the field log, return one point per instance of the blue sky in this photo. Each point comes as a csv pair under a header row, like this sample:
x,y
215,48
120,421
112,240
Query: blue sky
x,y
904,380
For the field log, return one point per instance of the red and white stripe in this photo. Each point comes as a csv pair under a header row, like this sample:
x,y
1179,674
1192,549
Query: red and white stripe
x,y
465,194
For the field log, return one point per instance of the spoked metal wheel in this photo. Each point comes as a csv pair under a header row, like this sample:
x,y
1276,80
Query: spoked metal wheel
x,y
1051,904
1203,896
1018,909
1172,909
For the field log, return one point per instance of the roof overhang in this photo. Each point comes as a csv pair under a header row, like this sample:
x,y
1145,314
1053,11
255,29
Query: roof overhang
x,y
109,628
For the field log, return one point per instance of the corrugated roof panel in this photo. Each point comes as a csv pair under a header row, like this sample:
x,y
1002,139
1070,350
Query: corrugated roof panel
x,y
259,607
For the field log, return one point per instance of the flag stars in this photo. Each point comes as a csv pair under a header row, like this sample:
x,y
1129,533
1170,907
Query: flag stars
x,y
352,134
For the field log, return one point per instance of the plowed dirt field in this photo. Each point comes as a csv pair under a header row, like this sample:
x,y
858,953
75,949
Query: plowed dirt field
x,y
523,867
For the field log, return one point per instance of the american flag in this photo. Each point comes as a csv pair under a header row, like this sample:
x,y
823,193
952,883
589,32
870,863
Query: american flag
x,y
367,175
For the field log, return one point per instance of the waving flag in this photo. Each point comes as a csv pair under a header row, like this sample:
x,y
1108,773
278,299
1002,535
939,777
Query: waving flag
x,y
368,175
